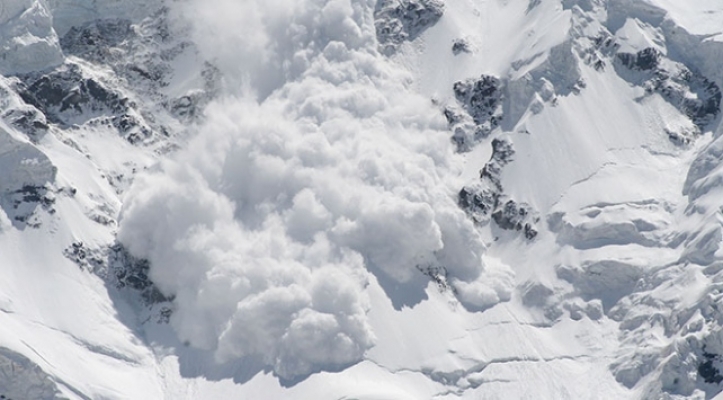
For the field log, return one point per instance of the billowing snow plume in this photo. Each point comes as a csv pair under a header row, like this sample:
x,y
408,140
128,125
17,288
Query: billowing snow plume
x,y
317,167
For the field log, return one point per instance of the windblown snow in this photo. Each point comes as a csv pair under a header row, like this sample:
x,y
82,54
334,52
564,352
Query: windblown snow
x,y
336,199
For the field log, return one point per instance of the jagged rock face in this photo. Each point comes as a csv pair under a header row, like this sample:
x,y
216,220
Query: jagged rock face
x,y
481,102
694,95
97,39
513,216
28,120
140,56
398,21
485,198
65,95
478,201
481,98
645,60
132,273
143,55
136,53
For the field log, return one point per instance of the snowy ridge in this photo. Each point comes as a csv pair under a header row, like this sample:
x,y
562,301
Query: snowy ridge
x,y
408,199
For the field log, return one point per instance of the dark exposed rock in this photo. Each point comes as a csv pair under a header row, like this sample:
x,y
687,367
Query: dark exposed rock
x,y
681,138
465,132
115,43
34,194
142,55
123,271
131,272
96,39
460,46
25,184
125,122
120,268
693,94
603,47
605,44
502,152
481,98
22,204
87,259
397,21
513,216
484,199
481,112
29,121
153,73
66,95
477,200
708,369
644,60
703,109
599,65
438,275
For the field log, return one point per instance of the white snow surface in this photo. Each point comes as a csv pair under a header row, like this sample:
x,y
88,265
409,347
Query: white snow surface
x,y
28,41
307,235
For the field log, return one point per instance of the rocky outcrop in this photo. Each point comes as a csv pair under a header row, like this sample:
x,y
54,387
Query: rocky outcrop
x,y
397,21
68,96
142,55
485,199
481,199
513,216
693,94
482,99
460,46
479,110
97,40
123,272
29,120
645,60
126,271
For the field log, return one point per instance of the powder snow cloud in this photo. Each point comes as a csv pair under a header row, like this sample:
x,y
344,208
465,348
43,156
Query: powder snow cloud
x,y
317,164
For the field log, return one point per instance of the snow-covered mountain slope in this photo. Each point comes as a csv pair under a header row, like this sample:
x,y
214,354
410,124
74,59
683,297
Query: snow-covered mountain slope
x,y
335,199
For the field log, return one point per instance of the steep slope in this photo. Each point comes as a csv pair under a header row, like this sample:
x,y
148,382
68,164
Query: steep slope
x,y
370,199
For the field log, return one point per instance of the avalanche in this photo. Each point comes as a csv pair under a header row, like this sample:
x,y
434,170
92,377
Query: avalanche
x,y
407,199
